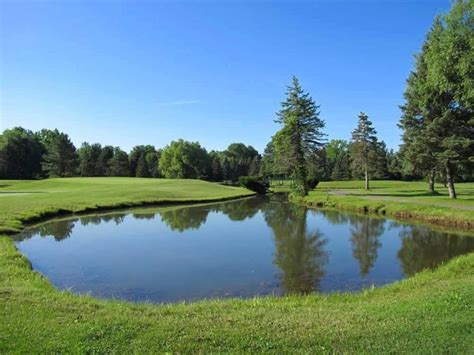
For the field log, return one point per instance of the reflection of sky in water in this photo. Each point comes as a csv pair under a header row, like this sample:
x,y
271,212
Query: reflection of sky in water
x,y
240,248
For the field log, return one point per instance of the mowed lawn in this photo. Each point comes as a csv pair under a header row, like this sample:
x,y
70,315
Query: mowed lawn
x,y
399,199
430,312
23,201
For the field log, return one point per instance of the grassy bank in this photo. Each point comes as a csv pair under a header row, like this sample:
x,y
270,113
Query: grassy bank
x,y
430,312
27,201
406,200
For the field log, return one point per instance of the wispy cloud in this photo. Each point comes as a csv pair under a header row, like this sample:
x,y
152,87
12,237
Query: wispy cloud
x,y
179,103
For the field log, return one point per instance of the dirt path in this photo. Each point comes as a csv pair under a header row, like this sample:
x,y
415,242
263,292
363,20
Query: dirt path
x,y
401,200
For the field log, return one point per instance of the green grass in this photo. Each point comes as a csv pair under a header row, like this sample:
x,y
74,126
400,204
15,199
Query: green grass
x,y
408,200
26,201
431,312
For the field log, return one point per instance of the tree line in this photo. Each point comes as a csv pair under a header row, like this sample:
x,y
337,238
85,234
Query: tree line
x,y
50,153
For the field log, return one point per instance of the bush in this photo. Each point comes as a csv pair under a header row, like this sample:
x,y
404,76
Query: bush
x,y
312,183
254,183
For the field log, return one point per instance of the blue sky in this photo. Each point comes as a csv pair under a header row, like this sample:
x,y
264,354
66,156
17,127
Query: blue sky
x,y
148,72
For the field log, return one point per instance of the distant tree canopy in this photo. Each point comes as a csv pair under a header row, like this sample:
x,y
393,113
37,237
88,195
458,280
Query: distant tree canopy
x,y
184,160
118,165
20,154
139,164
89,160
49,153
60,159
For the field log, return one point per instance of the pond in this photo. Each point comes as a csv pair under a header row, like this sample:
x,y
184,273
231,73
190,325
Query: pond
x,y
243,248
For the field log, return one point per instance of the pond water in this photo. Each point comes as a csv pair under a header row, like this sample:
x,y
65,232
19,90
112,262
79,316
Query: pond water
x,y
244,248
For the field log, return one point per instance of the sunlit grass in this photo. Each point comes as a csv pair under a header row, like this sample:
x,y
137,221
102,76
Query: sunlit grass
x,y
400,199
22,201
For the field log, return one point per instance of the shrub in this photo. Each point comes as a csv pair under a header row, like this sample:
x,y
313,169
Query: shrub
x,y
312,183
254,183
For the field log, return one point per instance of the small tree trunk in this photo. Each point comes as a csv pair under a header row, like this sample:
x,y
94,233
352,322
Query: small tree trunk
x,y
366,177
431,181
450,181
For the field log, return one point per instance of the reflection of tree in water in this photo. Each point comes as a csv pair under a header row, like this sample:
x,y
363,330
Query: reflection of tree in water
x,y
60,230
423,248
240,210
192,217
335,217
299,254
366,232
86,220
180,219
97,219
147,215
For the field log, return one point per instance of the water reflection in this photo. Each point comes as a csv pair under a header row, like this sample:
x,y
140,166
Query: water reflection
x,y
365,234
299,253
59,231
423,248
247,247
182,219
241,209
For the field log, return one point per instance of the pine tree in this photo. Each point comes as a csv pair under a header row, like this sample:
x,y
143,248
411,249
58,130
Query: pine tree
x,y
437,115
364,147
301,135
422,104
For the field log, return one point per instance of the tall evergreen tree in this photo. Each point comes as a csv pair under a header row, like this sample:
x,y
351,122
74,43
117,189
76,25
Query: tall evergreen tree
x,y
364,147
422,104
439,99
301,135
